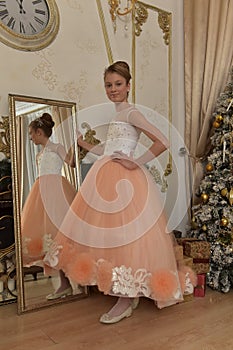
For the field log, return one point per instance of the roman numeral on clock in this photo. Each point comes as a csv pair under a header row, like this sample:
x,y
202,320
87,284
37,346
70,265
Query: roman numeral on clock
x,y
33,29
38,20
36,2
11,23
3,14
21,28
40,12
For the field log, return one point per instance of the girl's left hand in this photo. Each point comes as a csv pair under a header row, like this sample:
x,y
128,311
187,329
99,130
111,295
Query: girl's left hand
x,y
127,161
79,138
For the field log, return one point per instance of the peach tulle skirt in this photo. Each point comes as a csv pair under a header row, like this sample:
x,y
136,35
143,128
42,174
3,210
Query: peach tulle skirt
x,y
42,215
115,236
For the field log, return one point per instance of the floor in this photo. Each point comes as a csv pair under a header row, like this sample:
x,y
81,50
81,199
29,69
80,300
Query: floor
x,y
202,324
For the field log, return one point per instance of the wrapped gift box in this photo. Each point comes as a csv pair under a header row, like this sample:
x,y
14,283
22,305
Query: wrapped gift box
x,y
186,261
178,249
183,240
197,249
201,266
199,290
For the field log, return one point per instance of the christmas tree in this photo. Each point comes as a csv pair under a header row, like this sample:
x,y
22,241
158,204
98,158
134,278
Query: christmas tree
x,y
212,218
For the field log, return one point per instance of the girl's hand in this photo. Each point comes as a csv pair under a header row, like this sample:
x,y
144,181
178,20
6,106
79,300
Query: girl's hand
x,y
79,138
127,161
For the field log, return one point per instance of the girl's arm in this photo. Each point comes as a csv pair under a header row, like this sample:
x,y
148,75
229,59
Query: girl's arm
x,y
160,142
67,157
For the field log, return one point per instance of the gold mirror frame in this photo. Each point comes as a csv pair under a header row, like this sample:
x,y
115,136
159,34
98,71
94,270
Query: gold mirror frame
x,y
23,306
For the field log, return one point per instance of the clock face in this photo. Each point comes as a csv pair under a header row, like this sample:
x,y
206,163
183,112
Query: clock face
x,y
24,17
28,25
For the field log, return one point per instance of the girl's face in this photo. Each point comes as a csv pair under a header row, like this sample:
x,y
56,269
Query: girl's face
x,y
35,135
116,87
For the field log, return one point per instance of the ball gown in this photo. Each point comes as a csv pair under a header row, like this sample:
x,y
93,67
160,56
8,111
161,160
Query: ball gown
x,y
114,234
45,207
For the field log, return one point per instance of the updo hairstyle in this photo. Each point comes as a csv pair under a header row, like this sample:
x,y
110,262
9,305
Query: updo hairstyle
x,y
45,123
121,68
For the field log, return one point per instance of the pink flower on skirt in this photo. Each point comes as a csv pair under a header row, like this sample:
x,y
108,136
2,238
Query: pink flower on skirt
x,y
82,270
163,284
104,276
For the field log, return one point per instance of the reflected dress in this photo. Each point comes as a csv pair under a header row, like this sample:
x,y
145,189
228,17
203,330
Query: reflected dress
x,y
45,206
114,234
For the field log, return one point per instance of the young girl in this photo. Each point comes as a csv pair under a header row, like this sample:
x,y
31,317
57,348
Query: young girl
x,y
48,200
114,235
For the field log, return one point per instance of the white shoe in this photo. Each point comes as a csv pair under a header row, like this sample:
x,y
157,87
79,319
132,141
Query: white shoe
x,y
66,292
135,303
105,318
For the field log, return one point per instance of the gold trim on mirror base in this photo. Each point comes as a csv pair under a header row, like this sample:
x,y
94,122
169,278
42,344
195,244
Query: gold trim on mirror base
x,y
48,303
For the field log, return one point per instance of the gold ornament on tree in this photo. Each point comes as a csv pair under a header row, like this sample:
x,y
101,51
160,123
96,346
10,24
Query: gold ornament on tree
x,y
204,197
224,192
216,124
209,167
224,221
228,194
219,118
193,223
204,227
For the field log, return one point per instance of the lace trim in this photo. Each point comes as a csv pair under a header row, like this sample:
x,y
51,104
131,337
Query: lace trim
x,y
189,289
122,280
127,283
47,242
51,257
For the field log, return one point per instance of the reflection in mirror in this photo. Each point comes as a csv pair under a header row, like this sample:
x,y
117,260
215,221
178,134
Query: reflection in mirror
x,y
45,180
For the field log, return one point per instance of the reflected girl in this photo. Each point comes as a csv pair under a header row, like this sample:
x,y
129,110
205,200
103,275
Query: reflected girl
x,y
48,200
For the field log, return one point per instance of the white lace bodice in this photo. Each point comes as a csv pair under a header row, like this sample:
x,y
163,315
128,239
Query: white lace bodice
x,y
49,162
121,136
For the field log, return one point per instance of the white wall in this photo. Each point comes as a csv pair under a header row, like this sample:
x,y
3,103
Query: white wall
x,y
71,69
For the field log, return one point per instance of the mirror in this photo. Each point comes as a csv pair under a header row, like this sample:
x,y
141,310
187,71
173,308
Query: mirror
x,y
34,284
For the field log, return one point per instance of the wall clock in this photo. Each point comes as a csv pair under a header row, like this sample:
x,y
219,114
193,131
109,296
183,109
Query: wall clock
x,y
28,25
